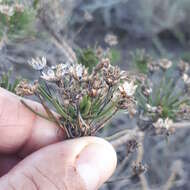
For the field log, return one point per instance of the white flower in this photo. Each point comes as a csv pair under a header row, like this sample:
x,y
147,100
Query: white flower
x,y
111,39
77,70
62,69
49,75
151,108
165,64
149,90
7,10
159,123
38,64
88,16
128,88
167,123
186,78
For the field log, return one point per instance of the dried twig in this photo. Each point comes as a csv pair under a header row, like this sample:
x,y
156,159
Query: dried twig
x,y
181,125
61,44
176,167
139,159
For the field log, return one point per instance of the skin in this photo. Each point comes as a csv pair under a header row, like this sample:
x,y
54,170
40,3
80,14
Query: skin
x,y
35,156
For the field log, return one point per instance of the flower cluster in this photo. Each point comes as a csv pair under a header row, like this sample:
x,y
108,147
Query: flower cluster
x,y
25,89
85,101
184,111
163,126
139,168
185,72
9,10
111,40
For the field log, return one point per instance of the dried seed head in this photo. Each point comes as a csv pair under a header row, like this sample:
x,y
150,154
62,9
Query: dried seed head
x,y
93,92
105,62
26,89
38,64
96,83
184,111
78,71
146,91
99,52
132,146
139,168
132,109
111,75
66,102
183,66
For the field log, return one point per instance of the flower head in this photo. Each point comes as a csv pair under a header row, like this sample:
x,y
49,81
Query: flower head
x,y
161,123
88,16
38,64
183,66
78,71
128,88
7,10
165,64
19,7
151,108
49,75
62,69
168,123
186,78
111,39
26,89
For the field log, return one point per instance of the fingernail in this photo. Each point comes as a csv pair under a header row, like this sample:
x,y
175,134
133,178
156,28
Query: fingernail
x,y
95,165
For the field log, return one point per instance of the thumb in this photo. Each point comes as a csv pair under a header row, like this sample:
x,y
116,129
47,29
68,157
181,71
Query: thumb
x,y
79,164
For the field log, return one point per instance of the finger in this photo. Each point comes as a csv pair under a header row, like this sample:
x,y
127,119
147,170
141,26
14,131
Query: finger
x,y
80,164
21,129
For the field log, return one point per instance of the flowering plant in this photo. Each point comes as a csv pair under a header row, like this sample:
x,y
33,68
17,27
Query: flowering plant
x,y
85,101
16,19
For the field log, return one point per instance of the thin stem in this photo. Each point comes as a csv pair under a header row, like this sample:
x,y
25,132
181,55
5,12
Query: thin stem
x,y
117,135
105,101
46,85
51,115
103,123
32,110
127,178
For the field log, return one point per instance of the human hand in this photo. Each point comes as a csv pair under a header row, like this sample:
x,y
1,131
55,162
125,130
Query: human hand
x,y
32,158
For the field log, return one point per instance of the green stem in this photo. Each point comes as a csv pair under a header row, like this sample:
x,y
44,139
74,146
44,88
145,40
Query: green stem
x,y
33,111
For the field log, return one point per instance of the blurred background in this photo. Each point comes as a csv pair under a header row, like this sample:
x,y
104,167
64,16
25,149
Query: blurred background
x,y
159,28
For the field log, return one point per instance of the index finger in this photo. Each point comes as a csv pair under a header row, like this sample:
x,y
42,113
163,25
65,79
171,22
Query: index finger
x,y
22,130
